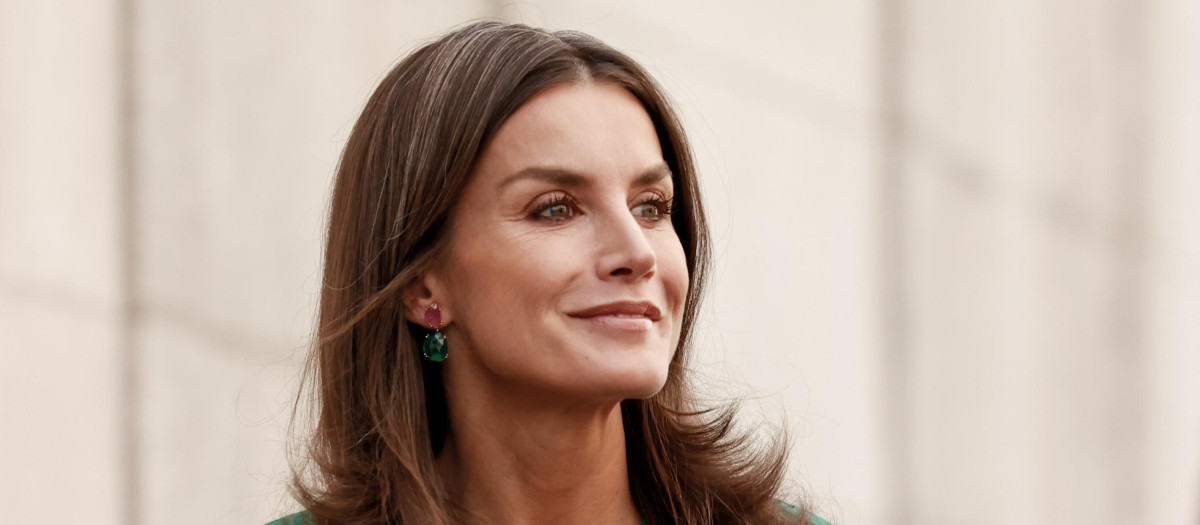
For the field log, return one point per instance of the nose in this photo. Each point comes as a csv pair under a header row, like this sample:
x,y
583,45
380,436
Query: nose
x,y
625,253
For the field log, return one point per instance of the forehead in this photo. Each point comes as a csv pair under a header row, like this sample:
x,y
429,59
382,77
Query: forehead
x,y
595,128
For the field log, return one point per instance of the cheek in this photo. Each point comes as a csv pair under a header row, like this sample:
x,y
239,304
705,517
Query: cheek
x,y
672,267
509,277
506,292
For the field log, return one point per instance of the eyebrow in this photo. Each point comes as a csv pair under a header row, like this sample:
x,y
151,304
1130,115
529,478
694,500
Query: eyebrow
x,y
571,179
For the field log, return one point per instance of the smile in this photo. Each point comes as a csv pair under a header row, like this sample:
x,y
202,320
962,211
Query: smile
x,y
631,316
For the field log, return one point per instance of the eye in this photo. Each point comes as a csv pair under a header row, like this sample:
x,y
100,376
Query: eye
x,y
557,211
653,208
557,208
647,211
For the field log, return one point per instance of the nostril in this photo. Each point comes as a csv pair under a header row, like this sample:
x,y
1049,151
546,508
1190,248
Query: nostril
x,y
622,271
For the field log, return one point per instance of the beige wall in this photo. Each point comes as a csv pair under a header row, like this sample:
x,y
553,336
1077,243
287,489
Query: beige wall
x,y
958,244
60,356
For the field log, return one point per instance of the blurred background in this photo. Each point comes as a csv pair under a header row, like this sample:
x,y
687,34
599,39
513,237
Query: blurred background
x,y
957,243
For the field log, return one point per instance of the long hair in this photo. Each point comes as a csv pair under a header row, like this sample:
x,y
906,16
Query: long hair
x,y
381,410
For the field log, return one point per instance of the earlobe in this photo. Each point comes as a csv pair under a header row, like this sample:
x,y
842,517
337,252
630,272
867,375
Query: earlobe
x,y
418,297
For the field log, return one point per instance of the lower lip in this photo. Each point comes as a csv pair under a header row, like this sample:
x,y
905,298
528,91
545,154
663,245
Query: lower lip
x,y
628,324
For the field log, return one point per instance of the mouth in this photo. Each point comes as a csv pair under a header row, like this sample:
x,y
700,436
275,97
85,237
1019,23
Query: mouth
x,y
634,316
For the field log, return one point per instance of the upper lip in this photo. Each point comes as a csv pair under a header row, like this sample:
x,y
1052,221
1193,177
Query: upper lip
x,y
645,308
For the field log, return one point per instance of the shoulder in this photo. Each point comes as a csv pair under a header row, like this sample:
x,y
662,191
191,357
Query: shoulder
x,y
299,518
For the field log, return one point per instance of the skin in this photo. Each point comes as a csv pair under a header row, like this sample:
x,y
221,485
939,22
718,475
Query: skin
x,y
567,210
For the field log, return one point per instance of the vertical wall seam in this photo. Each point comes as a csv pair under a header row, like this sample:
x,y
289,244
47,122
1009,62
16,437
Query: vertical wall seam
x,y
1129,301
129,442
893,267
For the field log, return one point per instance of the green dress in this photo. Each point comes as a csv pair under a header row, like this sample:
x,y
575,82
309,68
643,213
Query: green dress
x,y
301,518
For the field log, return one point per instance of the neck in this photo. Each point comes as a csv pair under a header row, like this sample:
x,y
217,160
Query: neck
x,y
506,461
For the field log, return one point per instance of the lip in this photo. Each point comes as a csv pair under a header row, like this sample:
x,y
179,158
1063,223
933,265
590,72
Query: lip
x,y
646,309
623,316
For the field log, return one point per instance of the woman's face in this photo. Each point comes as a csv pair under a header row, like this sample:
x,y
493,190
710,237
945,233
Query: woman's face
x,y
564,274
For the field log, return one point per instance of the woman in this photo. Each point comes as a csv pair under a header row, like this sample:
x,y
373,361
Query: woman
x,y
515,258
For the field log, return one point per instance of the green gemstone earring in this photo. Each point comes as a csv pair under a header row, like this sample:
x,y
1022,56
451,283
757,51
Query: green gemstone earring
x,y
434,347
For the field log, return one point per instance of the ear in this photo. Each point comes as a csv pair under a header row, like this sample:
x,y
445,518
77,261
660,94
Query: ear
x,y
419,294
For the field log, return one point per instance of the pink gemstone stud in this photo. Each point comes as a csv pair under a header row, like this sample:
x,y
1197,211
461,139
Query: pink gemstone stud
x,y
433,317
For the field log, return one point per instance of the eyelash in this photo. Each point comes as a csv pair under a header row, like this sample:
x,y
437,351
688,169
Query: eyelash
x,y
558,199
665,206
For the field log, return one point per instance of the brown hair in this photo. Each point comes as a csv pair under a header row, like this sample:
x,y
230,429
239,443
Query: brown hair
x,y
380,409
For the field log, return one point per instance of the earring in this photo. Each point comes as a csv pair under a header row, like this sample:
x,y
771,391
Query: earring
x,y
434,347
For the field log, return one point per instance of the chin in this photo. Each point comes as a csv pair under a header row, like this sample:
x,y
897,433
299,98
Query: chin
x,y
634,384
615,373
